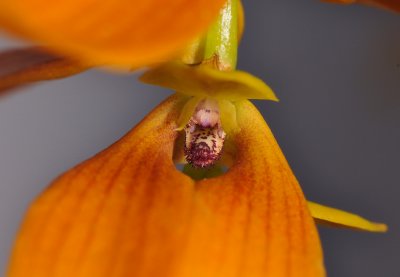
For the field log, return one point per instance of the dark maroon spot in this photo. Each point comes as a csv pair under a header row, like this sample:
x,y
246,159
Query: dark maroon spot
x,y
200,155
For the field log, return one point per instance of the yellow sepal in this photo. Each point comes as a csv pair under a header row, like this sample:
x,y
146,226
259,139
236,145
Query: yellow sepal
x,y
202,80
228,116
331,216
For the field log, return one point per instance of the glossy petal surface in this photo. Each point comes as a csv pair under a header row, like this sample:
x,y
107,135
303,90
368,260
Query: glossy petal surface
x,y
129,212
335,217
22,66
125,32
207,82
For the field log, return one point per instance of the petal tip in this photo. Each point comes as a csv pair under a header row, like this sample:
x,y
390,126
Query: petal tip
x,y
274,98
380,227
334,217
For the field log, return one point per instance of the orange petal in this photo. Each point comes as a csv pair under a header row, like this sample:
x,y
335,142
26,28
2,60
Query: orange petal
x,y
124,32
393,5
129,212
22,66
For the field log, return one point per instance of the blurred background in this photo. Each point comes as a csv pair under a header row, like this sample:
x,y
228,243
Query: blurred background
x,y
336,70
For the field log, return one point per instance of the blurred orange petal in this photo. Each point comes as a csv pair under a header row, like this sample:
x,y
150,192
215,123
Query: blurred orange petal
x,y
22,66
393,5
121,32
129,212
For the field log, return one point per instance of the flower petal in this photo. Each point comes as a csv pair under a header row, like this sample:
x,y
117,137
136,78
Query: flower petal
x,y
129,212
386,4
208,82
117,214
267,207
331,216
22,66
124,32
228,115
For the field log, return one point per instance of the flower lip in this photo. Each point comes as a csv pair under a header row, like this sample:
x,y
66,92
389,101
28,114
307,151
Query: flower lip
x,y
204,136
201,155
203,144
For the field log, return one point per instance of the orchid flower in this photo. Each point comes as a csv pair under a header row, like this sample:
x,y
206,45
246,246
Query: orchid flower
x,y
128,211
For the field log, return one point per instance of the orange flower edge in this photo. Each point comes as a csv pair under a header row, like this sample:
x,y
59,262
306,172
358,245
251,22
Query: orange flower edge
x,y
393,5
118,32
22,66
129,212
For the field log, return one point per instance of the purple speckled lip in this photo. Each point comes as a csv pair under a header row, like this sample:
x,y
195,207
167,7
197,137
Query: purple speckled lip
x,y
204,136
203,145
201,155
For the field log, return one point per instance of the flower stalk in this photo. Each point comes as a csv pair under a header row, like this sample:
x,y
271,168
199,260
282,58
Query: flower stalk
x,y
221,45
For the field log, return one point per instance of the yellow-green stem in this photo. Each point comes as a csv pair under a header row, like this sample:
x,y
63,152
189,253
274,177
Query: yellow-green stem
x,y
222,38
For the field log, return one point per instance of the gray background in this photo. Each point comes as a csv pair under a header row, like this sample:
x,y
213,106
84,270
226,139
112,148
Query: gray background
x,y
336,70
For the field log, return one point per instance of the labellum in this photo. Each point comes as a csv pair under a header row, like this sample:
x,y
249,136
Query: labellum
x,y
204,136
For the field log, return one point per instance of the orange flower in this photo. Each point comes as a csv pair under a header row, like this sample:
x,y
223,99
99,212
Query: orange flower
x,y
128,211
